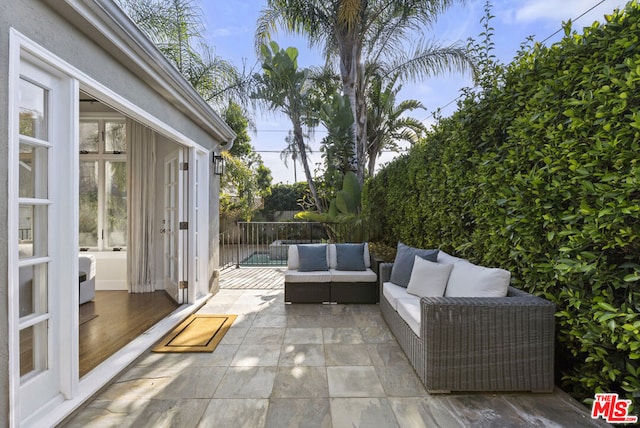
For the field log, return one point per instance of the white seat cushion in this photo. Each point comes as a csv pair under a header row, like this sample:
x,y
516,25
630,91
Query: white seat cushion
x,y
409,310
393,292
469,280
353,276
293,275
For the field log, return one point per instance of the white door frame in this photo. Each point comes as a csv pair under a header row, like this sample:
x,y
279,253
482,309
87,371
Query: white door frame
x,y
174,248
198,227
54,383
73,390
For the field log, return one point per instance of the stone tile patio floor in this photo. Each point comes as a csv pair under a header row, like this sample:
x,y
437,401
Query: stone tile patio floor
x,y
304,366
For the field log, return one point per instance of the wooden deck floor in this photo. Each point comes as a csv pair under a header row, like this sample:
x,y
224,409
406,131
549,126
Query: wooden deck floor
x,y
114,319
246,278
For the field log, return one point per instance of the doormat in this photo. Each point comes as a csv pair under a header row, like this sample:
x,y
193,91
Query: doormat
x,y
198,333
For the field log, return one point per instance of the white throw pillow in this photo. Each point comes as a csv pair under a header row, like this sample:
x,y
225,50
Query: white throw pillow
x,y
469,280
428,279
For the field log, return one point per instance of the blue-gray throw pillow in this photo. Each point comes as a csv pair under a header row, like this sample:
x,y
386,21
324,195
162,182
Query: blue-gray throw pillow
x,y
350,257
312,258
403,264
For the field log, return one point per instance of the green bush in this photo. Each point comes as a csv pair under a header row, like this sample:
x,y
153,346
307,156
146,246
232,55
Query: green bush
x,y
285,197
541,175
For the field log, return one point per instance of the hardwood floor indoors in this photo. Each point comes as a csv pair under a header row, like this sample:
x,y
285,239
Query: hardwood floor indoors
x,y
115,318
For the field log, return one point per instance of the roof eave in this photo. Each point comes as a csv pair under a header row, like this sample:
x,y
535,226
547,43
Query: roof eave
x,y
122,38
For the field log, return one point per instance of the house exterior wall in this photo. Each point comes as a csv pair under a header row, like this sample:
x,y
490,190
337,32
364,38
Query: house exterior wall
x,y
84,49
51,31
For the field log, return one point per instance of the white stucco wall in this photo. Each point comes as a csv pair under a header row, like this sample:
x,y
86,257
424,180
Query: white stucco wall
x,y
84,49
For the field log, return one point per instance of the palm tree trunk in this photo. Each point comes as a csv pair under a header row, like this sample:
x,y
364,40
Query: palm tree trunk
x,y
349,74
299,139
372,164
361,123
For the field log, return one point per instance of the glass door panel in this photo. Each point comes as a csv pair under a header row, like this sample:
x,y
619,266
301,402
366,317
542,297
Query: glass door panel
x,y
33,211
33,110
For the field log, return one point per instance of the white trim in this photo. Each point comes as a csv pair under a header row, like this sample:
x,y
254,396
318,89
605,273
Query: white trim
x,y
12,233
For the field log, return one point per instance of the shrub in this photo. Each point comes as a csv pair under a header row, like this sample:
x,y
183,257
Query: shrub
x,y
541,175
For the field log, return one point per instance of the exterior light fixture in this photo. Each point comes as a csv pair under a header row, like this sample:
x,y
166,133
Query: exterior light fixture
x,y
218,164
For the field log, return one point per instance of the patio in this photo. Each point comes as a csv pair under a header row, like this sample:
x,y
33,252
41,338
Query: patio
x,y
303,365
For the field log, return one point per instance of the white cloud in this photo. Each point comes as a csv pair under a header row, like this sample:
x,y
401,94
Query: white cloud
x,y
557,11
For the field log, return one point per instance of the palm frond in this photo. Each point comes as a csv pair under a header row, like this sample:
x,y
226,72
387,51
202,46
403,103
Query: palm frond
x,y
429,59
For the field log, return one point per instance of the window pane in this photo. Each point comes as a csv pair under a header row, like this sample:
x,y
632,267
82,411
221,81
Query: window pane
x,y
116,197
115,137
33,173
33,348
89,136
89,204
33,290
32,226
32,110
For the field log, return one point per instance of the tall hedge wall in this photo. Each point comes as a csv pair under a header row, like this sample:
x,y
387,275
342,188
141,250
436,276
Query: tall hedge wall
x,y
541,176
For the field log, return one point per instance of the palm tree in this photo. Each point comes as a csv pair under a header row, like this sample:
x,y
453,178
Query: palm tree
x,y
363,33
386,123
283,87
176,28
291,151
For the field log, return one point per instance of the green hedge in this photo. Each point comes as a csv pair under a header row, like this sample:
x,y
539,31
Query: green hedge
x,y
541,176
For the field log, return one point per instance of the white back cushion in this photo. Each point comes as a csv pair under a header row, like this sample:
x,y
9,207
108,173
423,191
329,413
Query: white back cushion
x,y
293,260
469,280
448,258
428,279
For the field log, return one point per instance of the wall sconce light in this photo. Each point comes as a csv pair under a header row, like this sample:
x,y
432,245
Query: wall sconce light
x,y
218,164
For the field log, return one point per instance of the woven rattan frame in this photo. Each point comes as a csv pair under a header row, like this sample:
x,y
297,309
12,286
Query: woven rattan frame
x,y
479,344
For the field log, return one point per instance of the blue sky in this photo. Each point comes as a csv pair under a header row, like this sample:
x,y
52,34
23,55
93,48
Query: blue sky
x,y
230,28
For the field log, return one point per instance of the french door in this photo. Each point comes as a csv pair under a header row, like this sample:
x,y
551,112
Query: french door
x,y
42,177
174,226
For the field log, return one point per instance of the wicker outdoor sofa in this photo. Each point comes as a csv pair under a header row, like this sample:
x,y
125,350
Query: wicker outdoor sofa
x,y
477,343
336,279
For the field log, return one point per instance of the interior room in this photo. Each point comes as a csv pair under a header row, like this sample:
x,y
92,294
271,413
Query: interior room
x,y
110,316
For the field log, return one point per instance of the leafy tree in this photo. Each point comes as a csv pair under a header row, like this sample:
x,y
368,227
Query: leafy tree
x,y
336,147
386,123
236,118
285,197
250,179
364,33
283,87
